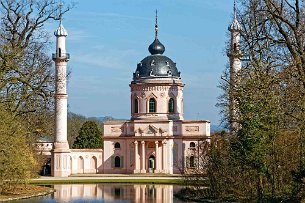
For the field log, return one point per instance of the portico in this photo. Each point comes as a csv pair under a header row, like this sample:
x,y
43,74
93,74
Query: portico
x,y
150,159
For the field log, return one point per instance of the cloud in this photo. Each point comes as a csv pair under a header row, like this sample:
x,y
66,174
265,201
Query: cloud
x,y
77,35
103,58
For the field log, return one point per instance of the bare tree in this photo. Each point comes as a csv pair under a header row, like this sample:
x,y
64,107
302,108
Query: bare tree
x,y
26,74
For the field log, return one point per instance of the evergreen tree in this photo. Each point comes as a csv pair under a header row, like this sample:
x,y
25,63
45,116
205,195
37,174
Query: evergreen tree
x,y
89,137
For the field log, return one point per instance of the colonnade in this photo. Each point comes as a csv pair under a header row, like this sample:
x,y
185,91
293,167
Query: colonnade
x,y
162,157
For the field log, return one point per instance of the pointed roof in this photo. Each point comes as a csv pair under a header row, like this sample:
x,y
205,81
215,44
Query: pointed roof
x,y
60,31
235,25
156,47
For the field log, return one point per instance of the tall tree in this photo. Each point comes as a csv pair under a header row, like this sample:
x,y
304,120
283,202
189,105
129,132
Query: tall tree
x,y
270,99
89,137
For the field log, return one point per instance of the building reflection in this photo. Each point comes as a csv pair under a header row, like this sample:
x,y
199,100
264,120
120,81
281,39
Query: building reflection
x,y
113,192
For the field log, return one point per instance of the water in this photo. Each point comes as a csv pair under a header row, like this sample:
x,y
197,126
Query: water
x,y
109,193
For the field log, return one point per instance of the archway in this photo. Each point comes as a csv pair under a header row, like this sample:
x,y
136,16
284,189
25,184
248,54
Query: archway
x,y
71,166
93,164
80,164
151,164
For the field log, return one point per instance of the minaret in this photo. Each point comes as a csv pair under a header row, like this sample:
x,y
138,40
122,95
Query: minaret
x,y
61,151
234,55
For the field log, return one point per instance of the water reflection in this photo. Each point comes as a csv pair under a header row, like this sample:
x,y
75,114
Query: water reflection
x,y
109,193
113,192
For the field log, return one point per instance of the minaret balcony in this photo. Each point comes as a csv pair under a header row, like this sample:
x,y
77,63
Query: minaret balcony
x,y
62,56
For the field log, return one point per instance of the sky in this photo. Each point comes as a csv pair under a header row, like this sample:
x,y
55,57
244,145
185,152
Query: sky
x,y
107,38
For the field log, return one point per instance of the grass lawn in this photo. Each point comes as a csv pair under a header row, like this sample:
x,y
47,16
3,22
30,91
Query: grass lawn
x,y
22,192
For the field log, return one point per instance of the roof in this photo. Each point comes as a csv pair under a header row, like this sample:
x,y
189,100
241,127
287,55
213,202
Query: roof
x,y
60,31
235,26
156,65
45,138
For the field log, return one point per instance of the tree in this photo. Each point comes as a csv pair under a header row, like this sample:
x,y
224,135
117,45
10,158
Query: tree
x,y
26,84
26,75
75,121
270,103
18,161
89,137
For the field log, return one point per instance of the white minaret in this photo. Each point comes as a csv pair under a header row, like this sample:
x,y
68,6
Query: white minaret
x,y
235,65
61,151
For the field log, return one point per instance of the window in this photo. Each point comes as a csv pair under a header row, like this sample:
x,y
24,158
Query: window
x,y
192,161
171,105
117,162
234,47
152,105
136,106
192,144
59,52
117,145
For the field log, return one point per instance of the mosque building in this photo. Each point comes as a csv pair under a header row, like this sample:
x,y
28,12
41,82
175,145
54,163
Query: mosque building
x,y
156,139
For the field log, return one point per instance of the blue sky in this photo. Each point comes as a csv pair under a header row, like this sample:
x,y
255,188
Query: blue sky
x,y
108,38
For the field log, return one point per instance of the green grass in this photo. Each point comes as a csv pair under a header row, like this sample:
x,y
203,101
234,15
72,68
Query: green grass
x,y
88,181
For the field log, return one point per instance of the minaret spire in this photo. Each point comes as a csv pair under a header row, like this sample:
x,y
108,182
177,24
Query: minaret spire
x,y
234,55
60,11
156,25
234,9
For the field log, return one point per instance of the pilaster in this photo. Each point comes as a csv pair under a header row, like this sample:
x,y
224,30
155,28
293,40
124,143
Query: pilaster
x,y
136,159
143,170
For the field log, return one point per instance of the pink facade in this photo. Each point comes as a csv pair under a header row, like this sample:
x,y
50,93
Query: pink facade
x,y
151,146
156,139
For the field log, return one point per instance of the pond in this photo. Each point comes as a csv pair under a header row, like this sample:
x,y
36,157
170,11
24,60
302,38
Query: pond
x,y
109,193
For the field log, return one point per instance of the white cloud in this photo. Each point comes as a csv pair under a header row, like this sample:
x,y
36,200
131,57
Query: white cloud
x,y
105,59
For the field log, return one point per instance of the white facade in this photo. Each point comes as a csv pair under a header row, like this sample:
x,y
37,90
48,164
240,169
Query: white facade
x,y
60,159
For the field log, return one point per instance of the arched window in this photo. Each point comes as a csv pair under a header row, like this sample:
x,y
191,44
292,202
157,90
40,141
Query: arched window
x,y
59,52
171,105
93,162
192,144
234,46
117,145
80,164
136,106
192,161
152,105
117,162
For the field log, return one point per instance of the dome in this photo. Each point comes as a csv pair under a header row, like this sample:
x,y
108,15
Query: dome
x,y
60,31
156,47
156,65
